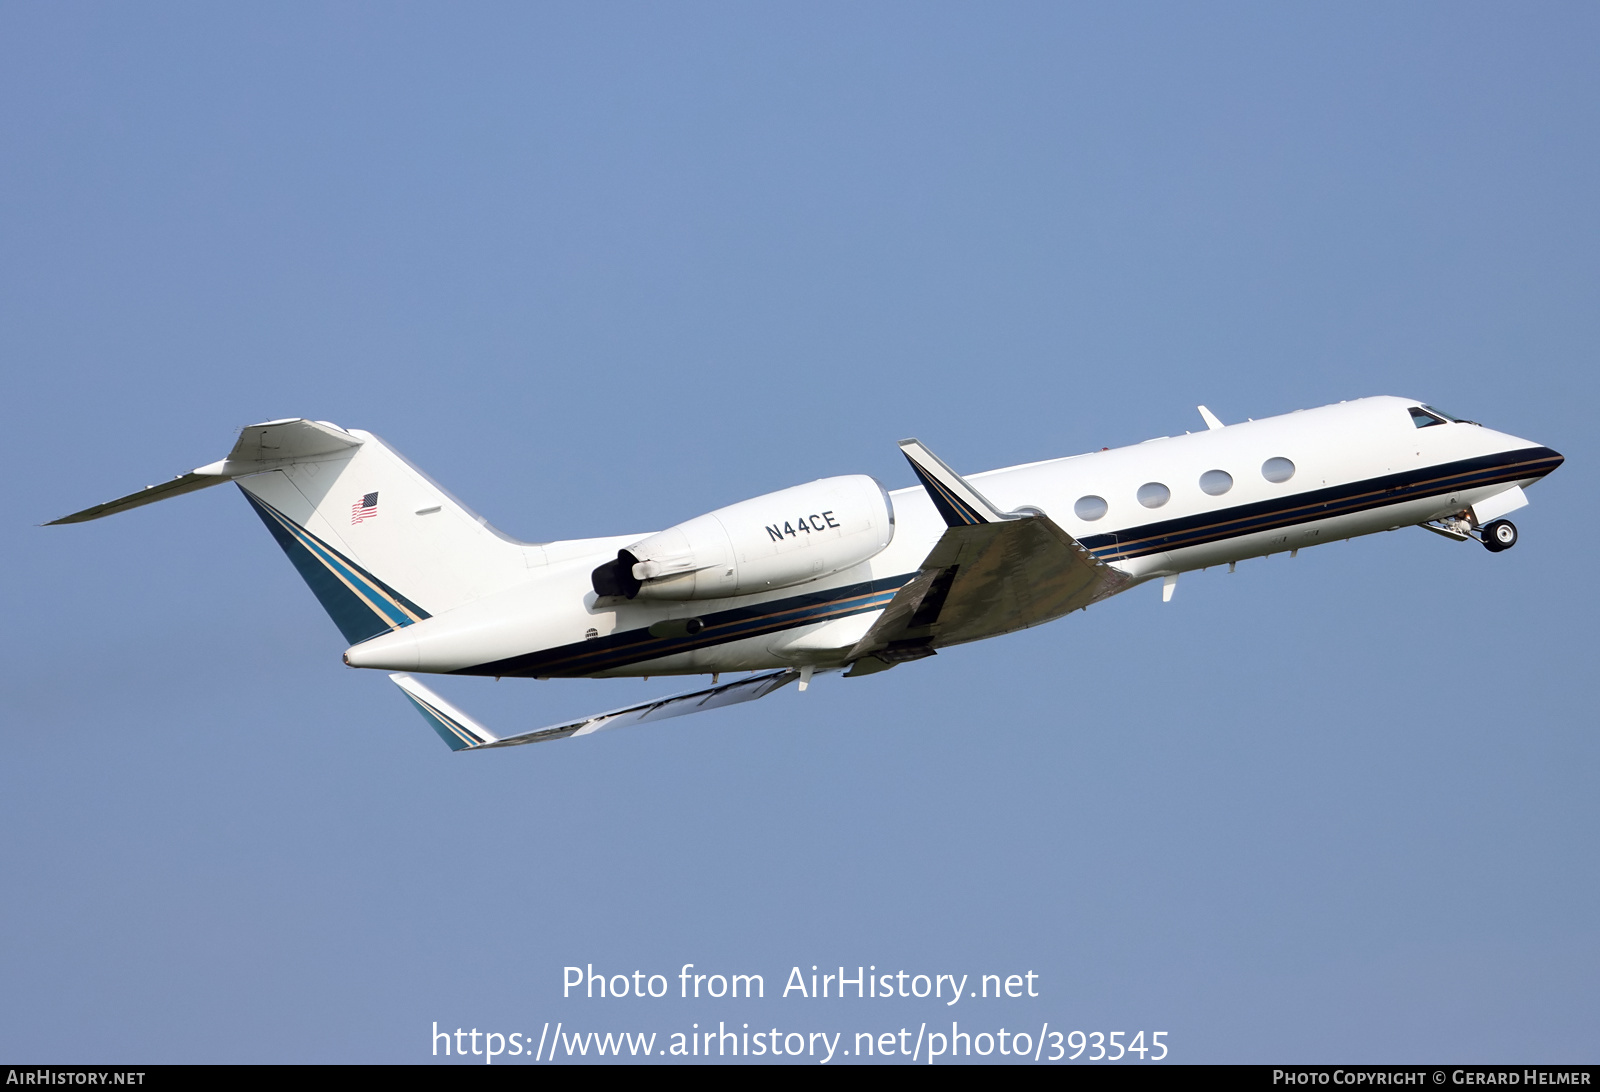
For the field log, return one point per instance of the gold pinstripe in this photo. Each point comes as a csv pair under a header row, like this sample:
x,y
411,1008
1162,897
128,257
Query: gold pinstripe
x,y
301,535
844,606
1287,516
966,510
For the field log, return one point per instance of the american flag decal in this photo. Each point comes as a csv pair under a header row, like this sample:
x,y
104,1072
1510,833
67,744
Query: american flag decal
x,y
364,509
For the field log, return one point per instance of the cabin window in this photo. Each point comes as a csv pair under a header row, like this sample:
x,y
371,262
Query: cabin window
x,y
1090,508
1214,483
1277,470
1422,418
1154,494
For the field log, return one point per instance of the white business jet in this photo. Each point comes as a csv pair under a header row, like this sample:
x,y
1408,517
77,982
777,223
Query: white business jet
x,y
838,574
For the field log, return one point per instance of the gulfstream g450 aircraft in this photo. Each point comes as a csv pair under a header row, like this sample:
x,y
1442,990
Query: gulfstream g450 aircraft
x,y
836,574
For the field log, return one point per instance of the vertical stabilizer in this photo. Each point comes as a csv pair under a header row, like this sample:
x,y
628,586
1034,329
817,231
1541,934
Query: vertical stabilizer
x,y
379,542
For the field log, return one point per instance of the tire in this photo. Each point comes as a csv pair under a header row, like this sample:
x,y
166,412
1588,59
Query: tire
x,y
1499,535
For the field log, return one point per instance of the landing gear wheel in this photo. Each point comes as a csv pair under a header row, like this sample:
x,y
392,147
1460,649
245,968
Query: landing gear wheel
x,y
1500,535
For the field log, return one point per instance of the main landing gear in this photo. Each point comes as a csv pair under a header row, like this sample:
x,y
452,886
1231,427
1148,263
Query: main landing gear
x,y
1500,534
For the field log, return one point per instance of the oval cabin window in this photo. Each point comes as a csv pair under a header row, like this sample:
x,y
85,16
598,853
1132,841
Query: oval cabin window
x,y
1214,483
1090,508
1154,494
1277,470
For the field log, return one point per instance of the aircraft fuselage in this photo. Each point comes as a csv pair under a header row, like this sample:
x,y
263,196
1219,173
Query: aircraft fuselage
x,y
1160,508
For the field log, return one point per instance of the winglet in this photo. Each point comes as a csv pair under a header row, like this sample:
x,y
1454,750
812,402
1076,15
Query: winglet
x,y
959,503
460,731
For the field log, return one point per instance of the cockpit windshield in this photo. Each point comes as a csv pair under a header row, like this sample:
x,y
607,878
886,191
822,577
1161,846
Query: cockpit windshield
x,y
1423,416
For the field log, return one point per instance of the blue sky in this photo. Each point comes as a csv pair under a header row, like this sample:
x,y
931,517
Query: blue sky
x,y
600,269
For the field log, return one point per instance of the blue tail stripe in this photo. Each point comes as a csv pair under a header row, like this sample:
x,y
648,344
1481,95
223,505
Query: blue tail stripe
x,y
367,589
360,604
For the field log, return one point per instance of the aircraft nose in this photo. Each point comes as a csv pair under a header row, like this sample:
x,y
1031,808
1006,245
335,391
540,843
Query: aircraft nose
x,y
1533,459
1545,460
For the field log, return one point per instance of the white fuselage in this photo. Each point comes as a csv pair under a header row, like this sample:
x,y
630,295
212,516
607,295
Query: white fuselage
x,y
1357,467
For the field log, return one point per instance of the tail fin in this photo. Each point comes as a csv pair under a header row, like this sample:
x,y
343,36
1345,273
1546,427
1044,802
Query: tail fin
x,y
379,542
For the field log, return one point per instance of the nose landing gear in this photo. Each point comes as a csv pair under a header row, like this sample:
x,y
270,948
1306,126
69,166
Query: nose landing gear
x,y
1500,534
1496,535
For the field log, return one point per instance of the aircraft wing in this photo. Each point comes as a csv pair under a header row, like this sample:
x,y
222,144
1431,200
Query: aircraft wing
x,y
991,572
463,733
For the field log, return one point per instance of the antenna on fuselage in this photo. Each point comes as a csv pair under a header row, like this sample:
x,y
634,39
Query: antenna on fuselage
x,y
1210,418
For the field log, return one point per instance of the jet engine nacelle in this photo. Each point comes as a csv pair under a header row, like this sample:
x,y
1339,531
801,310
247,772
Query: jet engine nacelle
x,y
772,541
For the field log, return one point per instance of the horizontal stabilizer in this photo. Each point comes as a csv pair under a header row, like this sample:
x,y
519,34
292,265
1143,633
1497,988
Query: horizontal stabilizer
x,y
293,439
267,446
463,733
183,483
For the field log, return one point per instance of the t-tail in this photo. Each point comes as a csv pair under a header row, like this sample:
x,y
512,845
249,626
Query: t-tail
x,y
379,542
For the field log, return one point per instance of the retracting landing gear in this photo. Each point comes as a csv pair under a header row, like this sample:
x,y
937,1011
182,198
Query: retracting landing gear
x,y
1457,528
1500,534
1496,535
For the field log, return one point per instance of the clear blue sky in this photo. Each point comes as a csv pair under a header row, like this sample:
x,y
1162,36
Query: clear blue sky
x,y
601,268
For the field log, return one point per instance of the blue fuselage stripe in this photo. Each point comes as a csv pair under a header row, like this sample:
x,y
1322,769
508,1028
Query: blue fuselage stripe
x,y
634,646
361,605
619,650
1318,504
